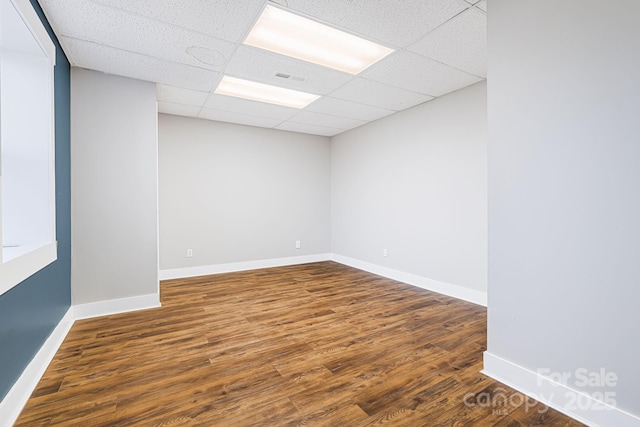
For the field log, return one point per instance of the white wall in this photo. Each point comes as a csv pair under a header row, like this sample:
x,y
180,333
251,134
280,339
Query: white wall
x,y
235,193
414,183
113,187
564,199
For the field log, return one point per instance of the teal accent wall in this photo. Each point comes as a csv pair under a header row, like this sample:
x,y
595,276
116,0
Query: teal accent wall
x,y
31,310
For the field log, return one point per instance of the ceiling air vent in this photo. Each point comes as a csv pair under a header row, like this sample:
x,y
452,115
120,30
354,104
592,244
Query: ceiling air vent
x,y
290,77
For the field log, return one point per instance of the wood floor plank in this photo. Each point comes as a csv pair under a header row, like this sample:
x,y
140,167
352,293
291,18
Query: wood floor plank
x,y
341,413
318,344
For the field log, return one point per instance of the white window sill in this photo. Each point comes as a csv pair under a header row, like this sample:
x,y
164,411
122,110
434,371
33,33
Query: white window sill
x,y
23,261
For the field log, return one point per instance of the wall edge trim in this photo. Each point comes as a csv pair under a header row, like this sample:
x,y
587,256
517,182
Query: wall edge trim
x,y
555,395
115,306
15,400
206,270
455,291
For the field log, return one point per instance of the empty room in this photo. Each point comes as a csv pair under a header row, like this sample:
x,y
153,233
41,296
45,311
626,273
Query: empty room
x,y
336,213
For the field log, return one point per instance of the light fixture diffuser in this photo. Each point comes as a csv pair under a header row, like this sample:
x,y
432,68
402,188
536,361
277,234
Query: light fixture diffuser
x,y
286,33
261,92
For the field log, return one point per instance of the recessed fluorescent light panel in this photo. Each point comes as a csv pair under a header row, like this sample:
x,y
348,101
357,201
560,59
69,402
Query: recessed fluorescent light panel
x,y
289,34
254,91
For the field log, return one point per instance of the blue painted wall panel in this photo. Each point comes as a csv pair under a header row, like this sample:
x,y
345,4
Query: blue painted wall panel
x,y
30,311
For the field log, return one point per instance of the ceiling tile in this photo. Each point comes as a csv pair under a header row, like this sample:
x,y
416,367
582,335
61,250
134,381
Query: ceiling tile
x,y
379,95
178,109
243,119
253,108
307,128
85,20
114,61
186,48
416,73
353,110
179,95
226,19
461,42
260,65
326,120
395,23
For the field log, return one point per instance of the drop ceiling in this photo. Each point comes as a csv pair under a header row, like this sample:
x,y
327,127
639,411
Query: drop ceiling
x,y
187,46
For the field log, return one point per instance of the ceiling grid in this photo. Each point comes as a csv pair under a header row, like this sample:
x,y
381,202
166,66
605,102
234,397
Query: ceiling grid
x,y
187,47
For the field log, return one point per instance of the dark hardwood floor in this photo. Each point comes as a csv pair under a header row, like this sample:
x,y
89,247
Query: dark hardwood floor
x,y
316,344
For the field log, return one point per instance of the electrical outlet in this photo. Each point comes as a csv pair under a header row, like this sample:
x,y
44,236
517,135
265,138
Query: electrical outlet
x,y
298,244
189,253
384,252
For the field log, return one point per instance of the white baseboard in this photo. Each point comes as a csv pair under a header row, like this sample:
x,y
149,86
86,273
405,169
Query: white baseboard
x,y
574,403
460,292
14,401
205,270
115,306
